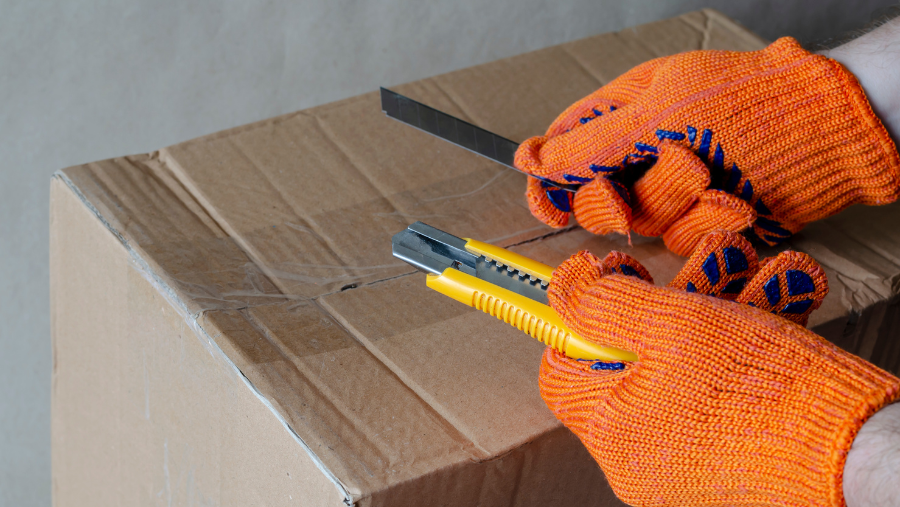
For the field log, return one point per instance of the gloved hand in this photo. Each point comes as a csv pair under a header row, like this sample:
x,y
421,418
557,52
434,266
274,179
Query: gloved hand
x,y
728,404
772,139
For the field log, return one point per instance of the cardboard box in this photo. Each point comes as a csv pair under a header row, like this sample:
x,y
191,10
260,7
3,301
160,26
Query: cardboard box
x,y
229,327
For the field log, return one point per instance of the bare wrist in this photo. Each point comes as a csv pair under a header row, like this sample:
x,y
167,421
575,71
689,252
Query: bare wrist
x,y
873,462
874,59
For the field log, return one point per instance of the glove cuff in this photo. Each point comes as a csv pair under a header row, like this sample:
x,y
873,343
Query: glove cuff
x,y
890,190
839,403
836,154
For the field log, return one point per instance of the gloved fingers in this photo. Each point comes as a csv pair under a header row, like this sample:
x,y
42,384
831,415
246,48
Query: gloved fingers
x,y
598,148
618,263
721,266
668,189
631,314
619,92
573,389
773,232
790,285
584,269
603,206
548,204
715,210
571,278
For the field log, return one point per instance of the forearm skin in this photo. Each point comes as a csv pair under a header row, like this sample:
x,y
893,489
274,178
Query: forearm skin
x,y
872,469
874,59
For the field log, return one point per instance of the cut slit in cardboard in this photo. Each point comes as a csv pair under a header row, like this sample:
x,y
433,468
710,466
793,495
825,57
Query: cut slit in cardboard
x,y
230,328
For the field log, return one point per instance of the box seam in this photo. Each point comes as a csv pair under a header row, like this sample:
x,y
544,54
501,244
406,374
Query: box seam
x,y
482,453
704,31
166,158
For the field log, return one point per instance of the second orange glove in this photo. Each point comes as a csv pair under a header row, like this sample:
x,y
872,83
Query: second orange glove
x,y
772,139
728,404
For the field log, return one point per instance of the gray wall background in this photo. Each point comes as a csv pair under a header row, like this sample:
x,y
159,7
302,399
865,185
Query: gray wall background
x,y
91,79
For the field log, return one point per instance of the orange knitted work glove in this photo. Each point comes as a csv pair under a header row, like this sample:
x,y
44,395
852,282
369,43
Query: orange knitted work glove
x,y
730,404
686,144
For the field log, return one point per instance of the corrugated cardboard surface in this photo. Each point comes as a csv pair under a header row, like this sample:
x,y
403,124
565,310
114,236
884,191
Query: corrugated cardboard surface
x,y
146,411
312,355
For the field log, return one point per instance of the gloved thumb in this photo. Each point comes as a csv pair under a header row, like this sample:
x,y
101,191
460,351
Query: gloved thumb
x,y
715,210
548,204
601,206
579,273
668,189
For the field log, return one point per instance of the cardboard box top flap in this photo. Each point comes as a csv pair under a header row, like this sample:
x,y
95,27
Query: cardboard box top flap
x,y
275,238
364,424
305,197
344,166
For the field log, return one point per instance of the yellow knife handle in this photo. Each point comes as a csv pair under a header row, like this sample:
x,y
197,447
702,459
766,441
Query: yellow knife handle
x,y
537,319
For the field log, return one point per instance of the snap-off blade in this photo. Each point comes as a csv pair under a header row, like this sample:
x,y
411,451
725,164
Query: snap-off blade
x,y
459,132
433,250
